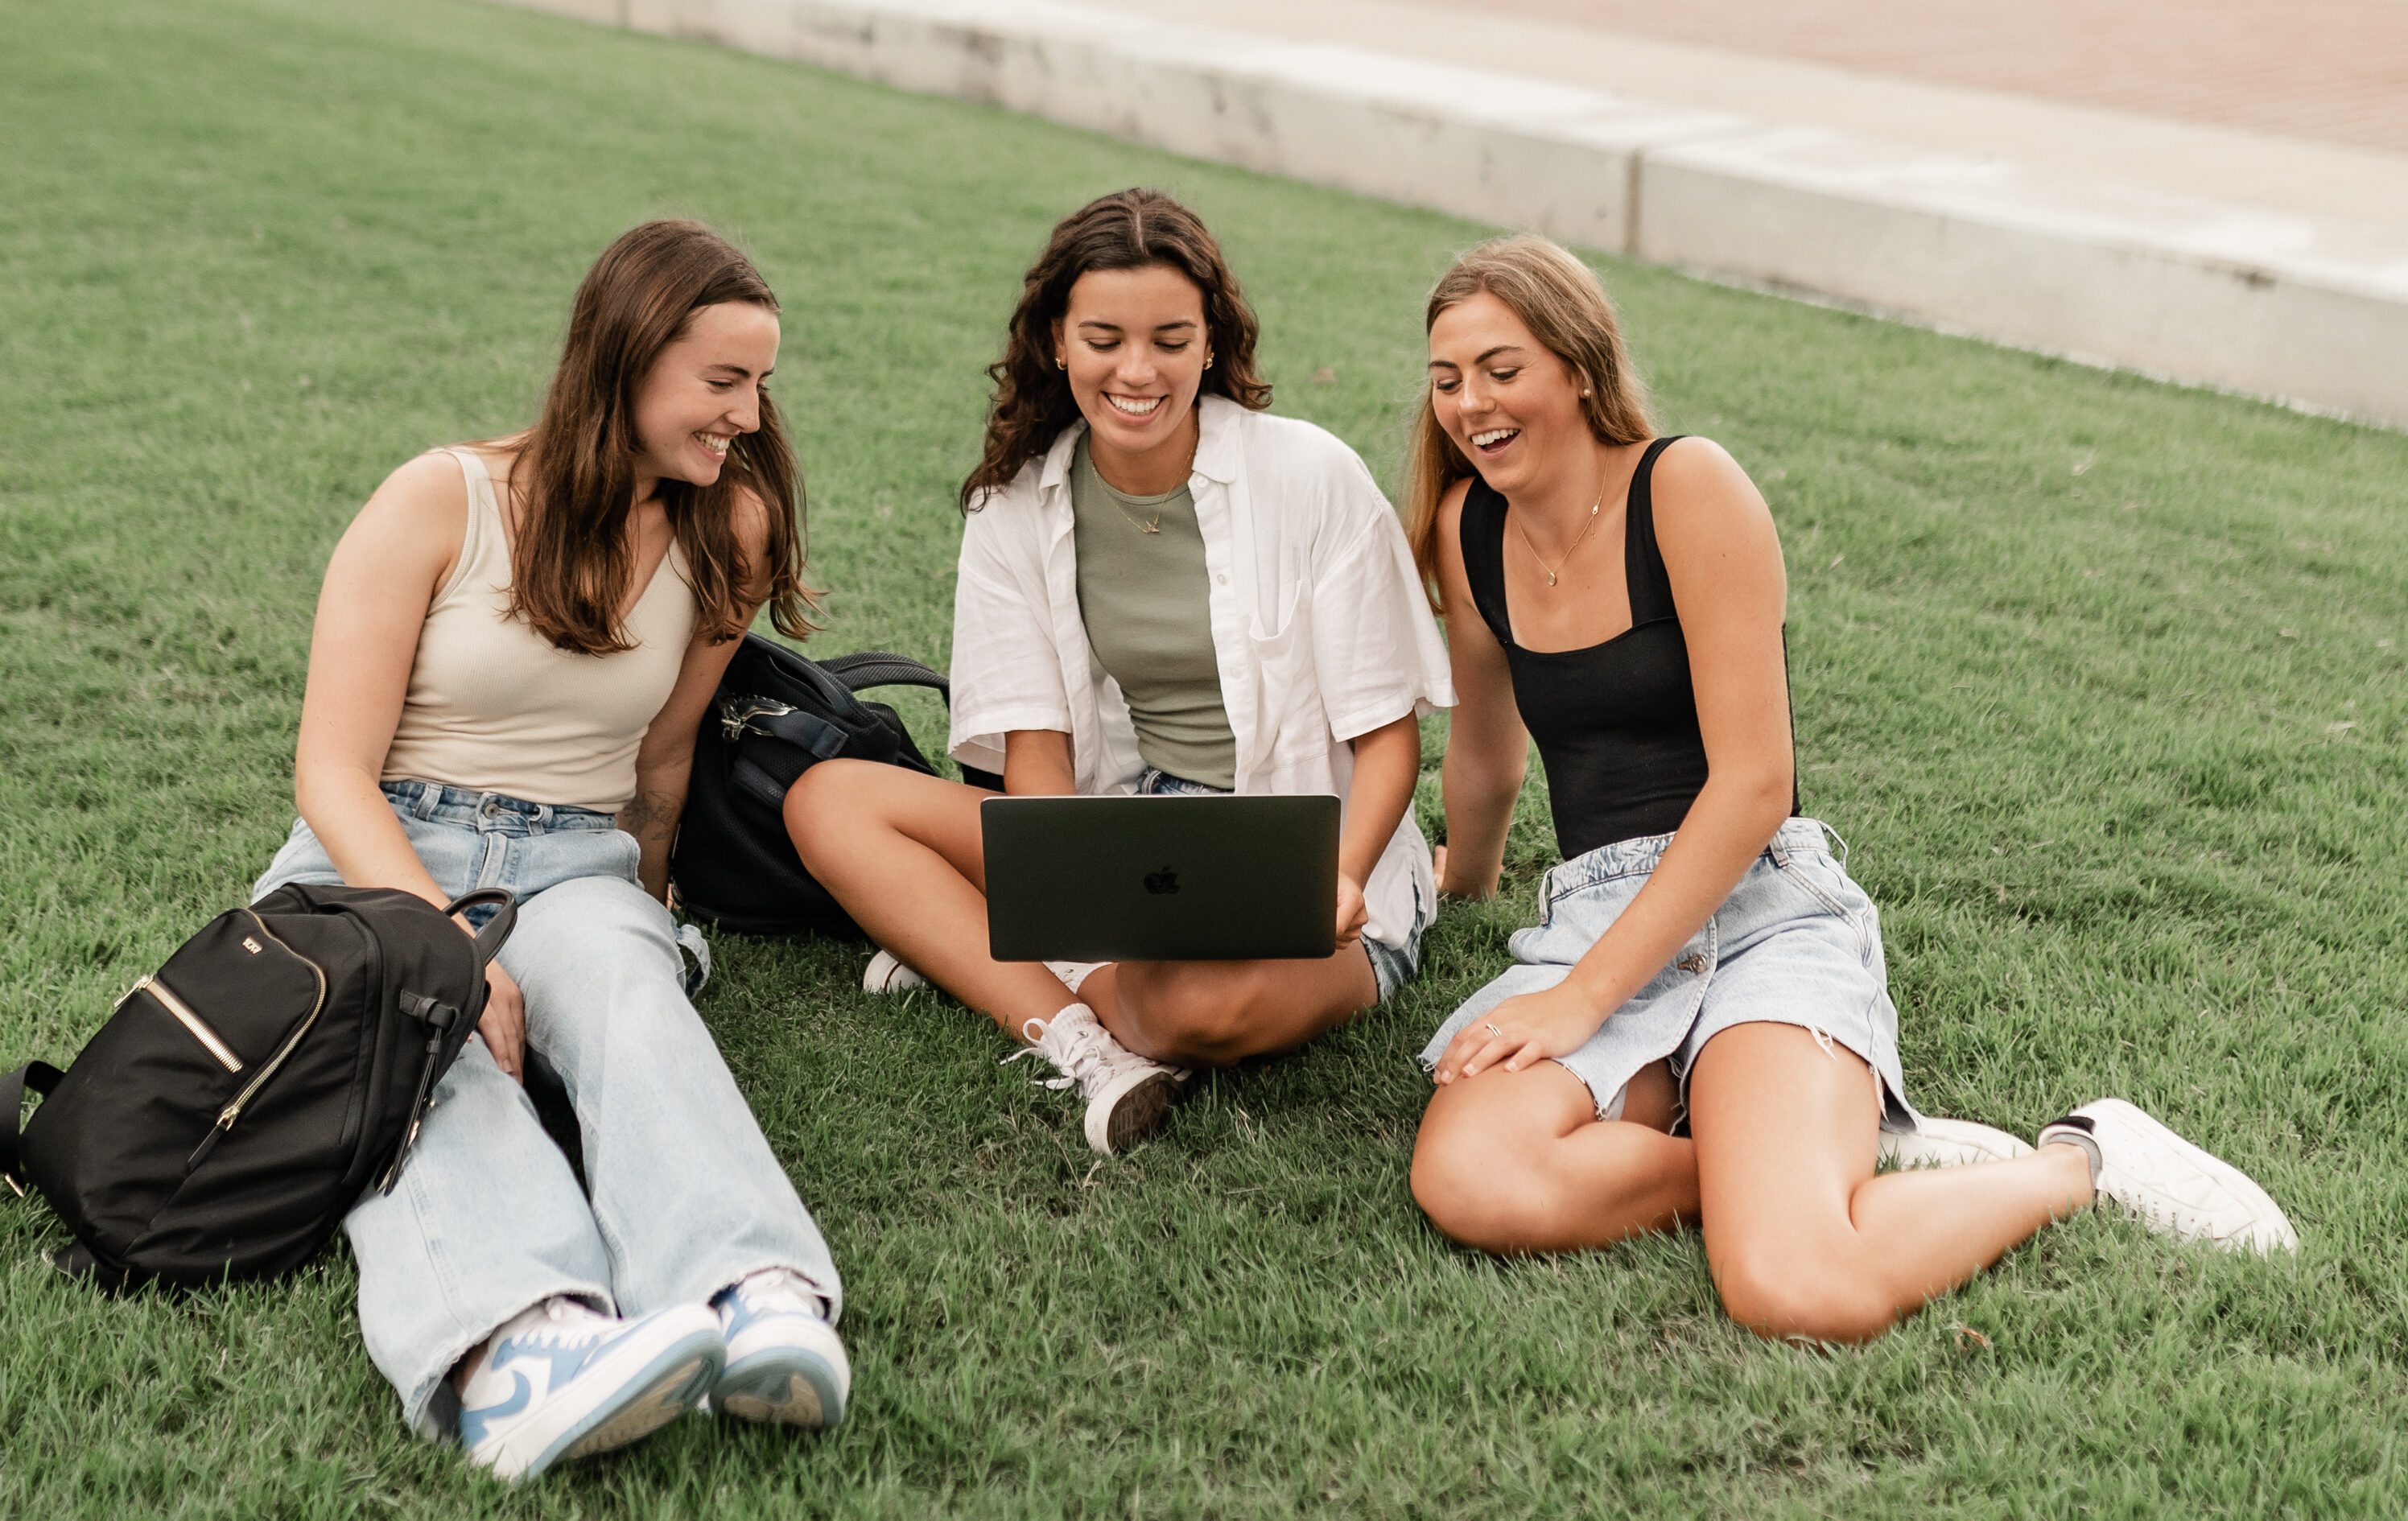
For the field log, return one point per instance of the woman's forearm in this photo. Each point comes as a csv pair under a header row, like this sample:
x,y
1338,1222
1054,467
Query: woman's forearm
x,y
1387,763
1478,793
1724,831
1037,763
346,809
651,817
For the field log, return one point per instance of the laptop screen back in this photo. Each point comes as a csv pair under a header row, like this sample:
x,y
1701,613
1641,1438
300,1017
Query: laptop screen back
x,y
1160,878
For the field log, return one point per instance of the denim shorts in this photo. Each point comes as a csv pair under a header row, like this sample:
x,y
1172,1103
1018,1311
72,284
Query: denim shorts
x,y
1797,942
1391,965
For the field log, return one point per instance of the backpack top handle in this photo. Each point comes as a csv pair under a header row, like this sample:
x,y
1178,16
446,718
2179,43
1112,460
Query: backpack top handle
x,y
866,668
497,929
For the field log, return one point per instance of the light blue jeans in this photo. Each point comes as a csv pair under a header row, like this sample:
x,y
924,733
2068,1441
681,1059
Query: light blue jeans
x,y
685,1198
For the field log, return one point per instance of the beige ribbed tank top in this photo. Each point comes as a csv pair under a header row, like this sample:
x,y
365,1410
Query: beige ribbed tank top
x,y
494,706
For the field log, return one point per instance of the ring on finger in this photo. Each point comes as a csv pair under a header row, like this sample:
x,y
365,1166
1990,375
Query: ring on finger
x,y
1491,1025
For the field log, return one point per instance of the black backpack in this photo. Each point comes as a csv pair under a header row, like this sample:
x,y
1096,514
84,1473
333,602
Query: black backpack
x,y
776,715
241,1099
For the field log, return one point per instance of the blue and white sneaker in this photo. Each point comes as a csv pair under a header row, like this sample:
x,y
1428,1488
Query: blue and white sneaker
x,y
784,1362
562,1381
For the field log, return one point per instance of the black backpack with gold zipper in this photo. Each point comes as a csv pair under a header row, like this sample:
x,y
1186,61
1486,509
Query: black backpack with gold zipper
x,y
780,713
243,1097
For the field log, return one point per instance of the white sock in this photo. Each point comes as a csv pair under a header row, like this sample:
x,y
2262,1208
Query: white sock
x,y
1034,1031
1074,974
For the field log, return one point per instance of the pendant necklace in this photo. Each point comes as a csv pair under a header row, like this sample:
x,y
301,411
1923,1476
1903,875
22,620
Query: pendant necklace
x,y
1153,527
1112,494
1575,545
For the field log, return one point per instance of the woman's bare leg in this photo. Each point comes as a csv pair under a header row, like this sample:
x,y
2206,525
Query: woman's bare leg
x,y
1803,1240
1216,1013
903,854
1515,1162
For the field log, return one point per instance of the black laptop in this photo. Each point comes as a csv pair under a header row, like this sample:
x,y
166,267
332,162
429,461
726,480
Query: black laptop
x,y
1178,878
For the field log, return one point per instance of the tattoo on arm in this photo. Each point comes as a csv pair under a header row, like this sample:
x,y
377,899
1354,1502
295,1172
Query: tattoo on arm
x,y
649,813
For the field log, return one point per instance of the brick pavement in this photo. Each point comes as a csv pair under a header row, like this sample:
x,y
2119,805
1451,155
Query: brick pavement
x,y
2329,70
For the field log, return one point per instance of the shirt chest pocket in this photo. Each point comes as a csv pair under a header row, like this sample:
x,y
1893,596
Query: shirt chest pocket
x,y
1289,717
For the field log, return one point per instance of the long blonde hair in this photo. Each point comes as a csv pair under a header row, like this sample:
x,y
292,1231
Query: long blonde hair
x,y
1559,300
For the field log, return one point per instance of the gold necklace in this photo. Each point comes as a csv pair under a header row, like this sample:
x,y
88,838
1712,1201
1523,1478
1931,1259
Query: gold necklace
x,y
1114,497
1111,494
1577,537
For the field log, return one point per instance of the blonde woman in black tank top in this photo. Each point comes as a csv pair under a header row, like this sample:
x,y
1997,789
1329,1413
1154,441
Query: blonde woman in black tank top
x,y
1699,1027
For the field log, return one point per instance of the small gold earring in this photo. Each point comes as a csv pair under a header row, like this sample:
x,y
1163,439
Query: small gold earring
x,y
1208,359
1060,363
1584,391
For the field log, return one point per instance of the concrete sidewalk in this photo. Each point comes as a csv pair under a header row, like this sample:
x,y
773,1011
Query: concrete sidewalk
x,y
2200,250
2102,119
2327,70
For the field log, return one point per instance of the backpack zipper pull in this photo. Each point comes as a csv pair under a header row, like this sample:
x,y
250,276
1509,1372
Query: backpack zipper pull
x,y
226,1117
440,1018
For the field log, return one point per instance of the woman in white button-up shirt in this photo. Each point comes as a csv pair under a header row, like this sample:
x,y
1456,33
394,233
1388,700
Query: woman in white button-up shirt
x,y
1133,350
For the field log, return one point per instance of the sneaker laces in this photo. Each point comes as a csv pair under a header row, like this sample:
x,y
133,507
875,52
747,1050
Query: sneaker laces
x,y
556,1322
1082,1053
774,1289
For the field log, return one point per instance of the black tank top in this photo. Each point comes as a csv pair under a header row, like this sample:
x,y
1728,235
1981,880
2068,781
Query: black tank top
x,y
1616,723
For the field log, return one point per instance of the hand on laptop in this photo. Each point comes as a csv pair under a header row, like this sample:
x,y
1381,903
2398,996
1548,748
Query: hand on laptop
x,y
1351,914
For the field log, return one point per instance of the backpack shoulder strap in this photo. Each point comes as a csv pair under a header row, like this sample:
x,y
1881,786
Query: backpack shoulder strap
x,y
39,1076
866,668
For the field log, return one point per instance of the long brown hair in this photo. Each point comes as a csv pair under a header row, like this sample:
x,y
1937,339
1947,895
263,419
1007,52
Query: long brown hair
x,y
1128,229
570,561
1561,302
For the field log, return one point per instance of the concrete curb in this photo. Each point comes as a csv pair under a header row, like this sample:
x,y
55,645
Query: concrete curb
x,y
2222,296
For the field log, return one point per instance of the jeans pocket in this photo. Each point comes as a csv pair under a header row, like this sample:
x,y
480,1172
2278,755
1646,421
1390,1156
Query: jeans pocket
x,y
1828,890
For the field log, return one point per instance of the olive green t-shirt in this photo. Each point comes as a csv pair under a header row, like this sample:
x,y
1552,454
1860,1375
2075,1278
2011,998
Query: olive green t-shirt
x,y
1143,598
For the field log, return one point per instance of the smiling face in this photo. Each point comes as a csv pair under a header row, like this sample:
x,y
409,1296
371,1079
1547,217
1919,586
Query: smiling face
x,y
704,391
1510,404
1133,344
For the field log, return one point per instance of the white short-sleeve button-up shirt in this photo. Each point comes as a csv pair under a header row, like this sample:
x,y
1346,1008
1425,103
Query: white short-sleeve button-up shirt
x,y
1319,624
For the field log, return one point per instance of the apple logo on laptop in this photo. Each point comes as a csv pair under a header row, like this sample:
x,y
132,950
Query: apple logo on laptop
x,y
1162,882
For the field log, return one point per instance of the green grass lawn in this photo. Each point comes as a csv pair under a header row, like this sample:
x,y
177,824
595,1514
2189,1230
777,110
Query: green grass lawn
x,y
2103,680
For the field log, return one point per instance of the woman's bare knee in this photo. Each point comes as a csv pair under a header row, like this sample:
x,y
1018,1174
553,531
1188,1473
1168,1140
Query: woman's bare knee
x,y
1785,1295
1192,1015
827,803
1473,1185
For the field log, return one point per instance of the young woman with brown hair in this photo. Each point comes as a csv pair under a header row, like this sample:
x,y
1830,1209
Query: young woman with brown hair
x,y
514,645
1162,588
1698,1028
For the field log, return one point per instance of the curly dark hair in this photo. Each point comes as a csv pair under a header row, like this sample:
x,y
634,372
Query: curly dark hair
x,y
1128,229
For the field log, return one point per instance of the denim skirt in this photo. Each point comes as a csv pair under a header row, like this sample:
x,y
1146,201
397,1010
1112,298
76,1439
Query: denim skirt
x,y
1797,942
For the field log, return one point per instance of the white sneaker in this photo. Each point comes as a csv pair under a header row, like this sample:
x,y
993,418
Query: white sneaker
x,y
1129,1097
2173,1187
888,975
562,1381
784,1361
1941,1142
